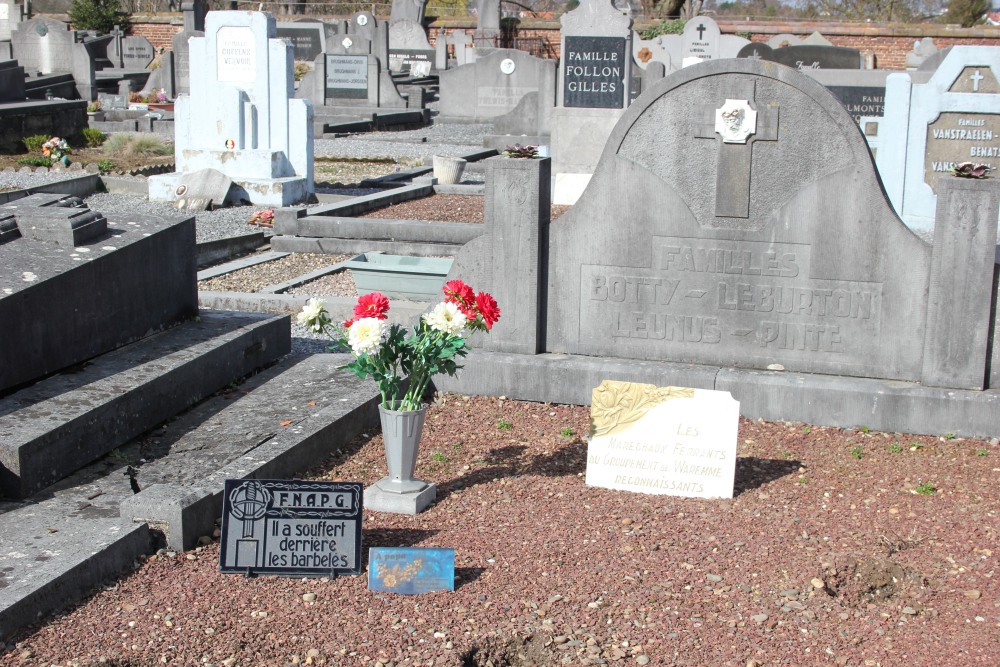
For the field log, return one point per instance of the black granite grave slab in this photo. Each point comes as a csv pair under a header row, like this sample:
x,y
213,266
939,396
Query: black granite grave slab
x,y
61,305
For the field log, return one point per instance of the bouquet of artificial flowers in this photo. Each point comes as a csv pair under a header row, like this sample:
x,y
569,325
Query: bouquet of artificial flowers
x,y
391,355
57,150
263,218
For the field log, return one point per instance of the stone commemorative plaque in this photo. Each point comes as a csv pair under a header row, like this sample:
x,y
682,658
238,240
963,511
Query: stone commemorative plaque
x,y
662,440
346,77
861,100
594,73
306,39
291,527
954,138
411,571
415,62
137,52
236,54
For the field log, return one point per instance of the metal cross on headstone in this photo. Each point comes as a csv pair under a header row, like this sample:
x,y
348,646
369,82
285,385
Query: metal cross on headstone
x,y
701,32
976,78
739,123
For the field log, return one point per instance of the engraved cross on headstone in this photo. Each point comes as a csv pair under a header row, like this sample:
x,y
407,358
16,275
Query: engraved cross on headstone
x,y
117,35
976,78
738,123
701,32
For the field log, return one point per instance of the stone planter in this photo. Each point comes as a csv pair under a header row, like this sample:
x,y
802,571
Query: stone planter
x,y
398,277
400,491
96,116
448,170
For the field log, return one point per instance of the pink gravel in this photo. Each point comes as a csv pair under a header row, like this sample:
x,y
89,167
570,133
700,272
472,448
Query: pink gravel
x,y
826,556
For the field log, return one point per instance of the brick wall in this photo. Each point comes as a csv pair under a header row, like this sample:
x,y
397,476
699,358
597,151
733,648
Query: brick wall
x,y
888,42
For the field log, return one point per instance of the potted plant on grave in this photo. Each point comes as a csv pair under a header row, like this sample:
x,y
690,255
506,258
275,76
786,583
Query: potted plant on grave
x,y
403,363
95,111
160,101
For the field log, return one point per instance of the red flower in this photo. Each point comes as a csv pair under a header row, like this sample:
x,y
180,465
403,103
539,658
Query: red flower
x,y
372,305
348,323
458,293
488,308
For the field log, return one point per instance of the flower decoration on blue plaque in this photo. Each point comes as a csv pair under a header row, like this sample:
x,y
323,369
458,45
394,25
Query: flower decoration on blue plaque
x,y
411,570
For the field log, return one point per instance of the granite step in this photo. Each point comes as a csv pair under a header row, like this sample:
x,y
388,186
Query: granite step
x,y
54,427
92,525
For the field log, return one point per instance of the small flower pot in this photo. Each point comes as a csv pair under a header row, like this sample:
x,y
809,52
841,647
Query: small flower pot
x,y
448,170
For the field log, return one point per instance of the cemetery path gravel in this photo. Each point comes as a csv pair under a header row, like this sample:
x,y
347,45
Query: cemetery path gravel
x,y
827,555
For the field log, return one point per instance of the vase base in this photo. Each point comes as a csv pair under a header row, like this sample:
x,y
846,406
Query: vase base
x,y
379,499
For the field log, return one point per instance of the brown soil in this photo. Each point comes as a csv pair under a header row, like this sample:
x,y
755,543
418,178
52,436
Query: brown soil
x,y
442,208
827,555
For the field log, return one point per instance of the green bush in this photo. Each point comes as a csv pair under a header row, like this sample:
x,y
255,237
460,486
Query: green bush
x,y
101,15
106,165
675,27
136,145
34,142
93,136
35,161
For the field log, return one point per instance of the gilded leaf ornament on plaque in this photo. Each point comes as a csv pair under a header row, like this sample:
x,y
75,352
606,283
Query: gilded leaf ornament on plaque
x,y
617,405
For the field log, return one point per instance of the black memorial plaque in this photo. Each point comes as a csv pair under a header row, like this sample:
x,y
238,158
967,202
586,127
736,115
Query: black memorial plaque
x,y
346,77
306,39
291,527
805,56
861,100
594,72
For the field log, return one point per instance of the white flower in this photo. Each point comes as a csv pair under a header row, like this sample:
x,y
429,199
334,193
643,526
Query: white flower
x,y
312,314
447,318
365,335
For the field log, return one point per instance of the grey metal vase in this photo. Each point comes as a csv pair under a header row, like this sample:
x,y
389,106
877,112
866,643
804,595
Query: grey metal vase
x,y
401,431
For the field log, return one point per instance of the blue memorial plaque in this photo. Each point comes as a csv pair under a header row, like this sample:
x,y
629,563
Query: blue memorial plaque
x,y
291,527
411,570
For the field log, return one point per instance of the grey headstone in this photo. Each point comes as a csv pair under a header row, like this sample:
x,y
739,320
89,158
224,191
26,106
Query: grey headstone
x,y
922,50
68,227
809,280
495,84
487,23
197,190
961,283
702,39
11,15
194,15
136,52
182,59
407,10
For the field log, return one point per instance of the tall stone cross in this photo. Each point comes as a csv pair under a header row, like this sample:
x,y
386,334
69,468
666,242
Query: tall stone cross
x,y
738,123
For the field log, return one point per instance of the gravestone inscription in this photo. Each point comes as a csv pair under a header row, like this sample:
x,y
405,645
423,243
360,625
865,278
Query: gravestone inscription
x,y
291,527
672,441
861,100
346,77
594,73
307,38
700,41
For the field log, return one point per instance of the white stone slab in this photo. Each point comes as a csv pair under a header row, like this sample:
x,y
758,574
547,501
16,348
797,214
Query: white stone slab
x,y
663,440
